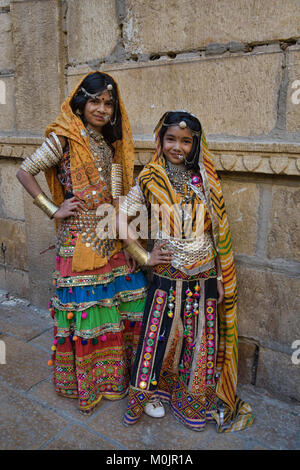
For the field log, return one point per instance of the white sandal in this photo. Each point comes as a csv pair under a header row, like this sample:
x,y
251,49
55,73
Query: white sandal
x,y
155,409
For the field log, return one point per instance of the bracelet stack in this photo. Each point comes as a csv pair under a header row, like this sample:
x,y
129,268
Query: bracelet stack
x,y
133,202
116,180
46,156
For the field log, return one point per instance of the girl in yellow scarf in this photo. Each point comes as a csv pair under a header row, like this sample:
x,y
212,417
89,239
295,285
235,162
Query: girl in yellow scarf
x,y
187,353
88,159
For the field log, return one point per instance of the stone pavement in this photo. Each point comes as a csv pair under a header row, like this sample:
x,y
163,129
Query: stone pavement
x,y
33,417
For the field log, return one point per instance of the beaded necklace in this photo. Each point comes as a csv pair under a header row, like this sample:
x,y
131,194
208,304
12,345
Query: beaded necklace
x,y
178,175
102,154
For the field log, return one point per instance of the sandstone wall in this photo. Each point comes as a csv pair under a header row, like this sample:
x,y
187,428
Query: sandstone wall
x,y
236,65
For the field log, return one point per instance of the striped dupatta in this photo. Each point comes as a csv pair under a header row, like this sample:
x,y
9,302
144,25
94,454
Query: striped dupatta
x,y
156,187
237,414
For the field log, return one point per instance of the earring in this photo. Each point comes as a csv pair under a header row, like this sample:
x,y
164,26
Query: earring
x,y
113,122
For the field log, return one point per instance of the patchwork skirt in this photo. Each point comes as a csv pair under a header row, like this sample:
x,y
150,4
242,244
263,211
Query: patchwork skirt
x,y
97,323
176,356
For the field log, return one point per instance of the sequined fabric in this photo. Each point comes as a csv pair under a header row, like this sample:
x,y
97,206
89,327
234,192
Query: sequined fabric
x,y
98,304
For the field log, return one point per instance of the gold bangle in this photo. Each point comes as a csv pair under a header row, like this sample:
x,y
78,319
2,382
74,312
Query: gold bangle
x,y
220,278
45,204
138,253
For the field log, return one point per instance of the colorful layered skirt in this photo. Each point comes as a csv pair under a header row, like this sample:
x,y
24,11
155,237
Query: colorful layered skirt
x,y
176,356
97,323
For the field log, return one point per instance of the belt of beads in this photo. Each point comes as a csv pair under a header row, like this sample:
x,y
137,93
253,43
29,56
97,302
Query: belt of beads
x,y
87,219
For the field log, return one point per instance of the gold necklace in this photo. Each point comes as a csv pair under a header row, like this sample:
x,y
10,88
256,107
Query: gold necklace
x,y
97,136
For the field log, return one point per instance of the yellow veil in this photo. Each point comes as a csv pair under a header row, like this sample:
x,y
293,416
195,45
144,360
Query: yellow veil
x,y
153,181
84,173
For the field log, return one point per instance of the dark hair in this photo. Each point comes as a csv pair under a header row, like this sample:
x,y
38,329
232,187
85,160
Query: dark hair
x,y
97,83
174,118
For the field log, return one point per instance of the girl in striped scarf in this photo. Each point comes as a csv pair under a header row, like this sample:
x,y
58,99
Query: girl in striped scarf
x,y
187,354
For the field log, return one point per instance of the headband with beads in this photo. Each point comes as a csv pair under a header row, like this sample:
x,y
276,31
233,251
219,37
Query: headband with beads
x,y
183,125
95,95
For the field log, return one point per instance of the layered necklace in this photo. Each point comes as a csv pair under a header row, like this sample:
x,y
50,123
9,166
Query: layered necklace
x,y
102,154
179,176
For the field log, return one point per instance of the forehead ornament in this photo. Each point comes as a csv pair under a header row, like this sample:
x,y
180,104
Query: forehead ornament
x,y
95,95
182,124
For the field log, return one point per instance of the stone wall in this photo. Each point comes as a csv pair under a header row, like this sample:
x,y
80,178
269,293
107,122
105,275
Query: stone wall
x,y
236,65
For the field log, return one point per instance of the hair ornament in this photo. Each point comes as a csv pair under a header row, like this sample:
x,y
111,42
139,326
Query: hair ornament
x,y
88,95
95,95
182,124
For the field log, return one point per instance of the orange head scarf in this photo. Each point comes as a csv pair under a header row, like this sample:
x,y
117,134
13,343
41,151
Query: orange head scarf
x,y
84,174
83,170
